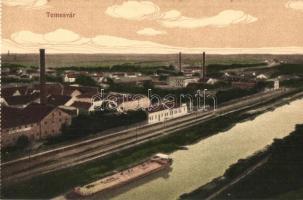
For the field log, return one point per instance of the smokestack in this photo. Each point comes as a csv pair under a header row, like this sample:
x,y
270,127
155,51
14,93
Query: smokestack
x,y
179,62
204,67
42,77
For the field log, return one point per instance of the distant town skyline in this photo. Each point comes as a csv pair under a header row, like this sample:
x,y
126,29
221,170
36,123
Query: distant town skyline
x,y
216,26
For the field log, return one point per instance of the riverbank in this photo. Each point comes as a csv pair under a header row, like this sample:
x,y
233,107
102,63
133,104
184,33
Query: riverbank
x,y
64,180
278,177
237,183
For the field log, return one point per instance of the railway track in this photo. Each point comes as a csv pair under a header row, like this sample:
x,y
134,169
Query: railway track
x,y
91,149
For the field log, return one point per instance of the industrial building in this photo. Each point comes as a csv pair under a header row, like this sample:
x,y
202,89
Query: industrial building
x,y
36,121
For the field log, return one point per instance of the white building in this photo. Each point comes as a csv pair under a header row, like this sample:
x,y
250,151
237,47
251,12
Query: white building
x,y
163,113
127,102
212,81
181,81
262,77
70,78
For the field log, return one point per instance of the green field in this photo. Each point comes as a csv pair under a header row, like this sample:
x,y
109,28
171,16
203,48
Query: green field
x,y
145,60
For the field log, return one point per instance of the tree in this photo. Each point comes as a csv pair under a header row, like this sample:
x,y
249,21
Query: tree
x,y
85,80
22,142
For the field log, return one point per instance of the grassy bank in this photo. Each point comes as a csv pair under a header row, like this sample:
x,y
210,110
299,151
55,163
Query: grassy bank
x,y
281,175
279,178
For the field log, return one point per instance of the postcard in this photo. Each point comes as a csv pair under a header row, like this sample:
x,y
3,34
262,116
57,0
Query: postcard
x,y
151,99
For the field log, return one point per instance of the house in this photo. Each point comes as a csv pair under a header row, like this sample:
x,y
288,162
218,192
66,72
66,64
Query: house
x,y
212,81
126,102
98,77
165,112
36,121
117,75
140,80
262,77
192,70
70,78
131,75
181,81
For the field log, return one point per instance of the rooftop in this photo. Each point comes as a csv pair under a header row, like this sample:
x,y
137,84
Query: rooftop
x,y
82,105
58,100
21,99
33,113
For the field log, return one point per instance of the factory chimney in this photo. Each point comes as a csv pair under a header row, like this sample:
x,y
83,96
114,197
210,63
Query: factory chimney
x,y
180,62
42,77
204,67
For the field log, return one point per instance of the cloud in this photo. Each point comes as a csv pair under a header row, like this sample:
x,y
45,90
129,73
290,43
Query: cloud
x,y
150,32
225,18
66,41
34,4
59,36
146,10
134,10
295,4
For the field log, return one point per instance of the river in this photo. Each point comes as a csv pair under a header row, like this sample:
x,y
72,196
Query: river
x,y
210,157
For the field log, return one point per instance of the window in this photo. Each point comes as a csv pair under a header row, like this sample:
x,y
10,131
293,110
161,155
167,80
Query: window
x,y
59,113
59,119
45,122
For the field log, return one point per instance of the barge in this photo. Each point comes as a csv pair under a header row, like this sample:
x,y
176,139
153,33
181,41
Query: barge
x,y
152,165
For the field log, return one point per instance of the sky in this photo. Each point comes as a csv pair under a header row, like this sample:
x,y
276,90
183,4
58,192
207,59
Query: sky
x,y
158,26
